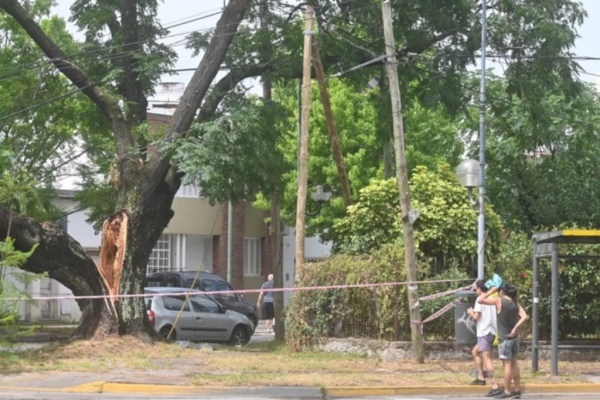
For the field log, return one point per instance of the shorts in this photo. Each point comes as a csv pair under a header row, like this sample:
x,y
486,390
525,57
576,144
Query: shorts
x,y
484,343
508,349
268,311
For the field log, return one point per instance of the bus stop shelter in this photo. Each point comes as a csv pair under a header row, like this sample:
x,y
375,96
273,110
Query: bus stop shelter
x,y
546,246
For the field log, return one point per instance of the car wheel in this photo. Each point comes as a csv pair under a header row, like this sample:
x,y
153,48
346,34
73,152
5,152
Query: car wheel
x,y
239,336
164,332
253,321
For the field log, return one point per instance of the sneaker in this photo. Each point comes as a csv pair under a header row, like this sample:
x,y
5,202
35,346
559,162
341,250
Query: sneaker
x,y
477,381
516,394
504,395
494,392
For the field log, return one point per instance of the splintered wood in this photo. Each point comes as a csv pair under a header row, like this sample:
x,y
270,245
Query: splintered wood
x,y
114,238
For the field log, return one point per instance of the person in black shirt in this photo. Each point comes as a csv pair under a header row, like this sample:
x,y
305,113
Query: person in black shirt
x,y
511,316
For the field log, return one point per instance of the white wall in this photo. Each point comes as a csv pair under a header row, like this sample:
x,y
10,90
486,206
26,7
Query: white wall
x,y
82,231
313,250
198,253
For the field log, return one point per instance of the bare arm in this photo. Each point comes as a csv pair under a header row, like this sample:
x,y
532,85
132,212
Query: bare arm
x,y
485,299
260,296
522,318
473,314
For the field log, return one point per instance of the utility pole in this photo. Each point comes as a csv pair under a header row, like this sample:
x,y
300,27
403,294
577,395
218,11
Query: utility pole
x,y
334,138
303,153
402,177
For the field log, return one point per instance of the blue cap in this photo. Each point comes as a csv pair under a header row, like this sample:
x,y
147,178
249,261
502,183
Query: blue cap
x,y
495,281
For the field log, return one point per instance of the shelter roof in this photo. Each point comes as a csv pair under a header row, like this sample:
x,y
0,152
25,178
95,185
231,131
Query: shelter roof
x,y
591,236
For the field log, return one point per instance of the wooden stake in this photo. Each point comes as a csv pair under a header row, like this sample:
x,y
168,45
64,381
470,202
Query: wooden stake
x,y
334,138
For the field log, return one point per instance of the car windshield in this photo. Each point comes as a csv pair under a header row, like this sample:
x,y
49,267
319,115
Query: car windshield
x,y
212,285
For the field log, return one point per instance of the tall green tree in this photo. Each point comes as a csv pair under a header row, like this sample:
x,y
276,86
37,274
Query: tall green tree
x,y
117,75
542,158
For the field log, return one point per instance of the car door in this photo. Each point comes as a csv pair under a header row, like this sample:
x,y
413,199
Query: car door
x,y
177,311
212,325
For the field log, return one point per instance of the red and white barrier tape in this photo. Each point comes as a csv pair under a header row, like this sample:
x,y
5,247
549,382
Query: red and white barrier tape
x,y
245,291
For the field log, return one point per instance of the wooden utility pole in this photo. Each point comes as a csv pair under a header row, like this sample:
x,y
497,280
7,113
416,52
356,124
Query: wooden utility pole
x,y
303,150
334,138
402,177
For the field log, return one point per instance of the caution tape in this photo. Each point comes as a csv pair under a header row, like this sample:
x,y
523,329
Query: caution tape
x,y
244,291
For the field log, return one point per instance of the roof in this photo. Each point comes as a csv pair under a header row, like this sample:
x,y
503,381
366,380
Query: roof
x,y
590,236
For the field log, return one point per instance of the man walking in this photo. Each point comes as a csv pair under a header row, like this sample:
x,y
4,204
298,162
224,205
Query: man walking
x,y
265,299
485,315
511,316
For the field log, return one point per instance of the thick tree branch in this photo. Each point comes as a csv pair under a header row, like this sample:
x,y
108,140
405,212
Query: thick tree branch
x,y
132,87
62,258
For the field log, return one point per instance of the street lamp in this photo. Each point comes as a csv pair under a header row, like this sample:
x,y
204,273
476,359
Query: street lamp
x,y
320,197
467,170
469,174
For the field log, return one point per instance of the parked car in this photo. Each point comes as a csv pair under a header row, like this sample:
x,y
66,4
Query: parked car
x,y
205,282
196,317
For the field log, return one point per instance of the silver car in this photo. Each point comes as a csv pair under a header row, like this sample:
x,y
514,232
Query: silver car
x,y
196,317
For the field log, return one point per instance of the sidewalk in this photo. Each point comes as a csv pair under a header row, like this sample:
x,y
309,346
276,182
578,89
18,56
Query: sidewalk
x,y
147,383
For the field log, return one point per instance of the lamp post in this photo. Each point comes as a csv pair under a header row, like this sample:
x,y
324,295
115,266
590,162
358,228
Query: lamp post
x,y
467,170
468,173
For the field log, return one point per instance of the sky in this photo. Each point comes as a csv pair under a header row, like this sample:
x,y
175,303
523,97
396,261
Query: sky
x,y
588,45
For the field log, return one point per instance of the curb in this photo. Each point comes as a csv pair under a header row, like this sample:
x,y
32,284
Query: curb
x,y
455,390
347,391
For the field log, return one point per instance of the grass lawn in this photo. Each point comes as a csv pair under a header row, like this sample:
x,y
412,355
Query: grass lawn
x,y
263,364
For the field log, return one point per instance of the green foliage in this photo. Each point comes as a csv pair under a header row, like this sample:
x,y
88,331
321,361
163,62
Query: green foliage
x,y
548,149
9,292
359,312
371,222
447,226
9,257
446,229
38,126
236,155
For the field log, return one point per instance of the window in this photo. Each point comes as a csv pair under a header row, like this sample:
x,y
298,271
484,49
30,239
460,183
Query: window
x,y
176,303
204,304
188,191
252,256
160,258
